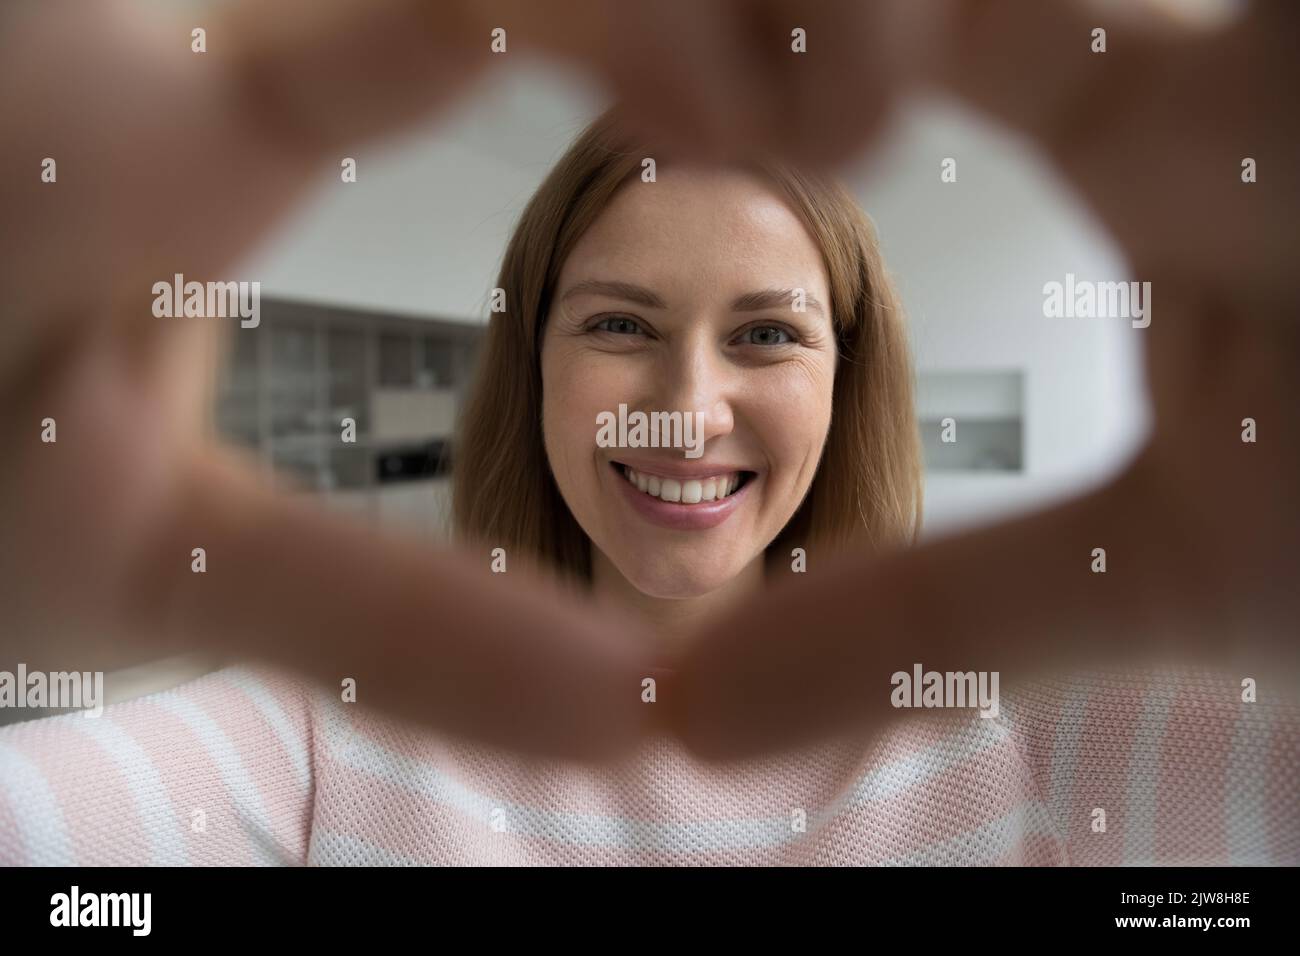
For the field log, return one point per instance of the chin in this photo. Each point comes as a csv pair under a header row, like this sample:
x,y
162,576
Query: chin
x,y
676,581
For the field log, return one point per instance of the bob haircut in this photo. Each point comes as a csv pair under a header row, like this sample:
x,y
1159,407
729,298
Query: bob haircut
x,y
867,488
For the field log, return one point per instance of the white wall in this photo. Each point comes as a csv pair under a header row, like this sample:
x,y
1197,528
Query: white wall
x,y
970,259
423,230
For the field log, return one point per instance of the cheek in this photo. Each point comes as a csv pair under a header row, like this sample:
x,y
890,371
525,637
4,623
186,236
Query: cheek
x,y
574,391
791,411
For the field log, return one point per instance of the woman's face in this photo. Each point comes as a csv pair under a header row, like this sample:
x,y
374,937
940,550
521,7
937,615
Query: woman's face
x,y
681,297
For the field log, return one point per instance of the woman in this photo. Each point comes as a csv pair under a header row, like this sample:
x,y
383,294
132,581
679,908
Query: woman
x,y
676,294
756,298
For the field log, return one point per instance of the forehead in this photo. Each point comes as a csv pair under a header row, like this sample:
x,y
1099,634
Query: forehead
x,y
699,234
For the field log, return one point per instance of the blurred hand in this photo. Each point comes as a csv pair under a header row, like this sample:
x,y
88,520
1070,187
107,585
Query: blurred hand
x,y
1201,531
171,162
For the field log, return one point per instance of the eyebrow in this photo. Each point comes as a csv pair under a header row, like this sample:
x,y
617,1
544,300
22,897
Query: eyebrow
x,y
774,299
749,302
616,290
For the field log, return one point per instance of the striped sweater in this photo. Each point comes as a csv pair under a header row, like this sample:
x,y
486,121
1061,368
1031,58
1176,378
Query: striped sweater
x,y
248,766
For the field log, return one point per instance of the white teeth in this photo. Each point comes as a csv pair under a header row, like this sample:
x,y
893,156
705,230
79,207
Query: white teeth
x,y
689,492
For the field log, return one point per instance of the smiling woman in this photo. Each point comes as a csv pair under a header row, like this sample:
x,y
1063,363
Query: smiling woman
x,y
754,296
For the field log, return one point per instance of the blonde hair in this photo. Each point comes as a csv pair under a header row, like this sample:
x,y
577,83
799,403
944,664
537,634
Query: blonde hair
x,y
867,489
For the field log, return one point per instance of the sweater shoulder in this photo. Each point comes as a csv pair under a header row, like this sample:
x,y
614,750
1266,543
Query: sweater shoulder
x,y
216,770
1169,766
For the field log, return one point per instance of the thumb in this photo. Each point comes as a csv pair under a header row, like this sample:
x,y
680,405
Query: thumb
x,y
504,659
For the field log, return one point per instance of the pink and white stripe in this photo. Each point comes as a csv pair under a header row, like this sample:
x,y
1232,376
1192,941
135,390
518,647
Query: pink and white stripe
x,y
249,767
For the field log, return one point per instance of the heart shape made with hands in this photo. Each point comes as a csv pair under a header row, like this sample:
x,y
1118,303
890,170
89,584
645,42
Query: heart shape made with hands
x,y
1204,527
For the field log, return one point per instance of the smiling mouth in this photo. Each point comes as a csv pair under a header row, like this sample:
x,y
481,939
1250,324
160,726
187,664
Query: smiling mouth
x,y
685,491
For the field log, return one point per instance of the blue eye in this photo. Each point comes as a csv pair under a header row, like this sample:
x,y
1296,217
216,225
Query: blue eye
x,y
768,335
618,325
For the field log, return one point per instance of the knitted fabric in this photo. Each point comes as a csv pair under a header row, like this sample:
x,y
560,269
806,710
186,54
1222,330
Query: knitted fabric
x,y
248,766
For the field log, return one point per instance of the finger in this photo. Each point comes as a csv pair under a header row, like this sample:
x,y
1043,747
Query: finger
x,y
818,657
690,79
172,161
839,79
505,659
325,76
97,425
699,81
1034,67
1214,376
1153,130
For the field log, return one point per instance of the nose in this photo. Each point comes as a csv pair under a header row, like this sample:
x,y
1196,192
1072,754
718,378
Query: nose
x,y
697,378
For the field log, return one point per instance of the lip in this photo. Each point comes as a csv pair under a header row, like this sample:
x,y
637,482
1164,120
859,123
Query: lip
x,y
679,517
677,468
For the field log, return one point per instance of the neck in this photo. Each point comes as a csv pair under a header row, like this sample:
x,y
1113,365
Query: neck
x,y
671,622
